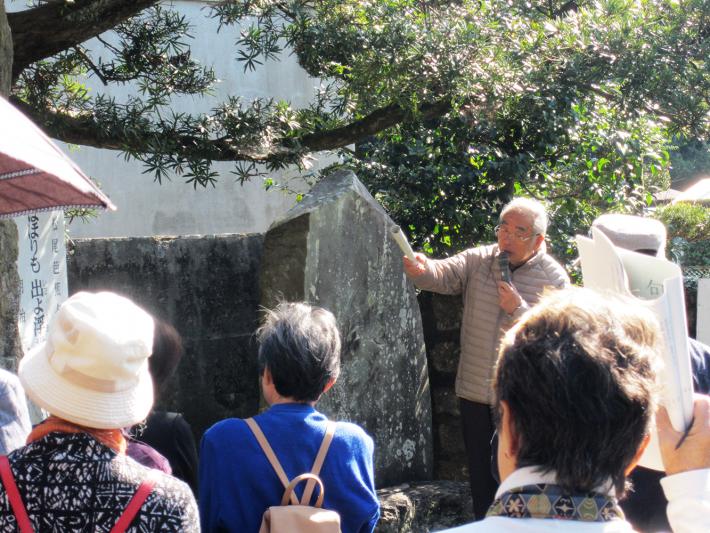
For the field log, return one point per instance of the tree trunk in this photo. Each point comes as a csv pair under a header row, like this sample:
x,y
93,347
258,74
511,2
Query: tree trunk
x,y
10,348
5,53
47,29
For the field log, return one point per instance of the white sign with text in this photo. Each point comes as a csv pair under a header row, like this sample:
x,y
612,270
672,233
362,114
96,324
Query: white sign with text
x,y
42,266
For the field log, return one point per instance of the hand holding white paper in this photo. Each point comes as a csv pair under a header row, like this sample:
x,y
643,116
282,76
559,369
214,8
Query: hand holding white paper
x,y
402,242
658,284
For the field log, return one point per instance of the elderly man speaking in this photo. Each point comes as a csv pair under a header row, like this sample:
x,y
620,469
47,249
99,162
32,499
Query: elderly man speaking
x,y
491,306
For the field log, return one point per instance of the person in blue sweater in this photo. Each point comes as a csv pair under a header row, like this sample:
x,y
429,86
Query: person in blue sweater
x,y
299,360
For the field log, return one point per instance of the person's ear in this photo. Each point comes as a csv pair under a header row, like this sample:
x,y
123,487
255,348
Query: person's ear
x,y
266,377
328,385
539,240
637,457
508,443
512,441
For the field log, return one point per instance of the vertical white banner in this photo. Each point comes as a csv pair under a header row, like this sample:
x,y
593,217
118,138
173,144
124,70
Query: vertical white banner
x,y
42,266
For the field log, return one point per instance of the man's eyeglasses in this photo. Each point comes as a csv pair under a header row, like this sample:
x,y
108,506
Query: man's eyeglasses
x,y
518,234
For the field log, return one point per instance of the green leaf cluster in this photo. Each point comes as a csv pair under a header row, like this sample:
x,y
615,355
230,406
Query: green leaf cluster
x,y
686,220
453,107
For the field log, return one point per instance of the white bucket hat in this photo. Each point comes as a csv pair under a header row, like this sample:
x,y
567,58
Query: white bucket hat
x,y
633,232
93,368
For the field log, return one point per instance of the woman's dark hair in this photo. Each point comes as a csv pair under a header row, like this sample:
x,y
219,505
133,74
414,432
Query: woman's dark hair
x,y
300,345
167,352
578,374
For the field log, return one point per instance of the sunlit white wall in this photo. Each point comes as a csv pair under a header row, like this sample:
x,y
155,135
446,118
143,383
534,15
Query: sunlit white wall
x,y
174,208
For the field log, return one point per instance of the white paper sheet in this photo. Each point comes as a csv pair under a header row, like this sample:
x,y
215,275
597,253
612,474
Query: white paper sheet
x,y
658,284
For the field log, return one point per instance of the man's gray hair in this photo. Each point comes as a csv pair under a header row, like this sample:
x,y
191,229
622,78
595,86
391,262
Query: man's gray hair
x,y
532,208
300,345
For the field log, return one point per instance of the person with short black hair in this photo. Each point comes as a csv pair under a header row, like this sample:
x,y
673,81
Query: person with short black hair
x,y
575,389
299,360
577,380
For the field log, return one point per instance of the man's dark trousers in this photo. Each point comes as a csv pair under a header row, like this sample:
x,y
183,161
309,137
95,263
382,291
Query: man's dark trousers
x,y
478,428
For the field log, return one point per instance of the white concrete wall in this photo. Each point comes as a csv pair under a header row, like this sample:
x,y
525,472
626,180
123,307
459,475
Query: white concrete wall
x,y
146,208
174,208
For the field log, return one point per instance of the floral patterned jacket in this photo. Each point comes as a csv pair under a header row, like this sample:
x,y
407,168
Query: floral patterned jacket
x,y
72,482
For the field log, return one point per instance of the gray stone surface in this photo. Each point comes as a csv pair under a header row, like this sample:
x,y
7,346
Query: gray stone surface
x,y
207,287
444,401
450,455
448,311
444,357
441,321
10,347
334,250
424,507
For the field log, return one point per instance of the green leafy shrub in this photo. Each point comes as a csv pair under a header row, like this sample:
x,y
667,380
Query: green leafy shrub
x,y
685,220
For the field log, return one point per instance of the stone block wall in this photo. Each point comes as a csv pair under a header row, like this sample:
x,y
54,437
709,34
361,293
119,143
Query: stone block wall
x,y
424,507
10,346
207,287
441,321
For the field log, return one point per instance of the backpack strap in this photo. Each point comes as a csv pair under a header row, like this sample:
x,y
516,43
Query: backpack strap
x,y
295,481
318,464
18,508
23,521
270,455
144,490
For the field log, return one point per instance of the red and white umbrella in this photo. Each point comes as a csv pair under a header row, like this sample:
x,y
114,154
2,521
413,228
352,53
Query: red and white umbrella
x,y
35,175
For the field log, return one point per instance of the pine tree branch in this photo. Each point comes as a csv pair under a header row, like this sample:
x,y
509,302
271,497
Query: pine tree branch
x,y
377,121
84,129
46,30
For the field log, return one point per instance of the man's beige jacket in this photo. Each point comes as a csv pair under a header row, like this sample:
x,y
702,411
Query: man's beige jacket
x,y
475,274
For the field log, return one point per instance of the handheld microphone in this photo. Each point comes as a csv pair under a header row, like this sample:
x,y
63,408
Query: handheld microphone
x,y
504,264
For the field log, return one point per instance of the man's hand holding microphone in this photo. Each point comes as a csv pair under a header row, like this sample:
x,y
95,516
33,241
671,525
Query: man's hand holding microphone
x,y
509,298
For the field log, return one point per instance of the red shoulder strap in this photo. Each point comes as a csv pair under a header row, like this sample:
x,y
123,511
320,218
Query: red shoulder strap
x,y
144,490
23,521
18,508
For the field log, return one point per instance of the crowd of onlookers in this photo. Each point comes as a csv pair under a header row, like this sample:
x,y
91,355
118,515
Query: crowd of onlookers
x,y
104,460
575,391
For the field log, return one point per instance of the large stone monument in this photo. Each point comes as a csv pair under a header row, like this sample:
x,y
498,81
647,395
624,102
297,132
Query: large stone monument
x,y
206,287
334,250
